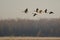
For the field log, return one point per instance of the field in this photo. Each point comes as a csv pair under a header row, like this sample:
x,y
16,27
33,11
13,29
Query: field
x,y
29,38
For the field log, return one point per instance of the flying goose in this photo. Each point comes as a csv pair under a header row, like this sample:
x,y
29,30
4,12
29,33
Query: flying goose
x,y
51,12
45,10
40,11
26,10
37,10
34,14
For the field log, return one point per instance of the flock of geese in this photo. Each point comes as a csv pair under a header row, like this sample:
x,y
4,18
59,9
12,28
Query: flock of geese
x,y
38,11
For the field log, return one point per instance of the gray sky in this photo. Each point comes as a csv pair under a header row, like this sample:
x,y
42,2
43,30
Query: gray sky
x,y
13,8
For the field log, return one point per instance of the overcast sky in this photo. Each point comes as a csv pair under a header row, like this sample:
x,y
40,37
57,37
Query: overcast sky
x,y
14,8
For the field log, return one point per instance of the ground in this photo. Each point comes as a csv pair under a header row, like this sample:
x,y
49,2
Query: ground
x,y
29,38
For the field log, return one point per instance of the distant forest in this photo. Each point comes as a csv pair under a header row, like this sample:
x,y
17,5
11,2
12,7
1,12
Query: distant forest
x,y
31,28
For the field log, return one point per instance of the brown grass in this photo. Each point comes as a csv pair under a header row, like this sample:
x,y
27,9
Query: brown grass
x,y
29,38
